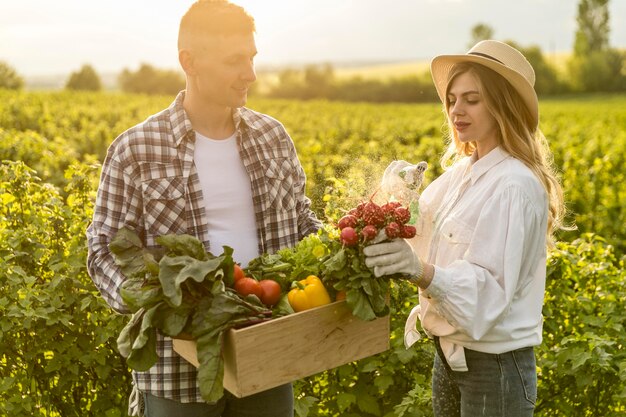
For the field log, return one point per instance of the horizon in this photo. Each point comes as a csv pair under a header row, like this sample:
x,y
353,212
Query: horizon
x,y
38,38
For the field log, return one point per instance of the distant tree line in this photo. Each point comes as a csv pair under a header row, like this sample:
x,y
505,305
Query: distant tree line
x,y
150,80
319,81
593,67
10,79
85,79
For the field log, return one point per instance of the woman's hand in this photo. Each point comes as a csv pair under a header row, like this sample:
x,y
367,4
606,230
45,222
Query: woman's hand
x,y
397,257
393,257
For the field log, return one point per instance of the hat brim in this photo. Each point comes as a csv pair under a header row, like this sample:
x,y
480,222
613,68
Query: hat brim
x,y
441,66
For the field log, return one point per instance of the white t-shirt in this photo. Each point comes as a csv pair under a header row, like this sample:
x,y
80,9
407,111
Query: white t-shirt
x,y
483,226
227,197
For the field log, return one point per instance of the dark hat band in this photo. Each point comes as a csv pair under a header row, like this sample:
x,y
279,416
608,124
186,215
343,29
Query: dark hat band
x,y
487,56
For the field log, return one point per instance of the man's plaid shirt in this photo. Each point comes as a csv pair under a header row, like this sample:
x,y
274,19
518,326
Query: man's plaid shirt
x,y
149,182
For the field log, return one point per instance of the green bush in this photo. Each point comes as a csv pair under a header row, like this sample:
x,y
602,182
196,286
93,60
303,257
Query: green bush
x,y
9,79
150,80
319,82
85,79
392,383
58,354
49,157
583,357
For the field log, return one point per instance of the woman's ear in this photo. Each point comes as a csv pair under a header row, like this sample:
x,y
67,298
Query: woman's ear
x,y
186,60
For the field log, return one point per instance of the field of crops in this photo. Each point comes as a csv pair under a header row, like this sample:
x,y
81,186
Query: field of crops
x,y
57,337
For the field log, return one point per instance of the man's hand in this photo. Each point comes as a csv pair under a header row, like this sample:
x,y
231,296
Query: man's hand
x,y
393,257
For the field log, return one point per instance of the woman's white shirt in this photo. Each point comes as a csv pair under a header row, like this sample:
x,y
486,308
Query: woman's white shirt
x,y
483,225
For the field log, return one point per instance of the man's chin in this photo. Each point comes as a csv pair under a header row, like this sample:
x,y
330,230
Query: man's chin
x,y
241,101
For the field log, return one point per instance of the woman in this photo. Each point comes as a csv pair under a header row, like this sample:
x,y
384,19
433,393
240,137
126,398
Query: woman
x,y
479,259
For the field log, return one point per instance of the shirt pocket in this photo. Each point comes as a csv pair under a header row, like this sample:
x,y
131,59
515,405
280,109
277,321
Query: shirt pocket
x,y
280,183
456,232
164,205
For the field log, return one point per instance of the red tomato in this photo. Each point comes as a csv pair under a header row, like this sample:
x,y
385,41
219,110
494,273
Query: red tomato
x,y
238,273
246,286
271,292
341,295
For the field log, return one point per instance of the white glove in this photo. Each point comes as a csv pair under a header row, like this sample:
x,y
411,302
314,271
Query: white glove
x,y
402,180
393,257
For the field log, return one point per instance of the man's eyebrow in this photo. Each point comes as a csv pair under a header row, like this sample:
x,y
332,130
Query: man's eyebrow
x,y
244,54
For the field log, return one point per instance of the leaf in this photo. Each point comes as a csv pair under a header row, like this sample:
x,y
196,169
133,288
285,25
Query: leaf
x,y
176,270
214,315
366,284
368,404
145,357
382,382
345,400
302,405
380,289
223,310
227,266
137,294
171,321
372,365
283,308
129,333
137,341
211,369
146,327
129,252
360,305
183,245
336,262
404,355
580,359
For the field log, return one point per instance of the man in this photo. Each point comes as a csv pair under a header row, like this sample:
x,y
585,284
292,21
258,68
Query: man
x,y
209,167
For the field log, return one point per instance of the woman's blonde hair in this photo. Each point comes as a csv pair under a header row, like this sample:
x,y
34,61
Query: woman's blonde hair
x,y
517,135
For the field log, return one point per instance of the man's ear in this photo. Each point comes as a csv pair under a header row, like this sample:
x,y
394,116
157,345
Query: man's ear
x,y
186,59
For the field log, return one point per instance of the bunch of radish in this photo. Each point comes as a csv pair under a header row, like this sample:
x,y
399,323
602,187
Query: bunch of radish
x,y
363,223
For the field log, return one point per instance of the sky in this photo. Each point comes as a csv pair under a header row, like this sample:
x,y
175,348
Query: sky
x,y
39,37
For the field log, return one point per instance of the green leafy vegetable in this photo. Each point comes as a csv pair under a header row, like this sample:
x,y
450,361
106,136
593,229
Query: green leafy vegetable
x,y
180,289
340,267
345,270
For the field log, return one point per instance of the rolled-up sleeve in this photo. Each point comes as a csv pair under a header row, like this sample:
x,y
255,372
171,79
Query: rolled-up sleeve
x,y
118,204
475,293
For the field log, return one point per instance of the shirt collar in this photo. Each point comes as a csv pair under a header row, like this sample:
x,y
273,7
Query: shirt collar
x,y
245,116
181,125
484,164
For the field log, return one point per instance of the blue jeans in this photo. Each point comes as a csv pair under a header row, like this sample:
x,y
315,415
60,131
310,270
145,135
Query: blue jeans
x,y
275,402
502,385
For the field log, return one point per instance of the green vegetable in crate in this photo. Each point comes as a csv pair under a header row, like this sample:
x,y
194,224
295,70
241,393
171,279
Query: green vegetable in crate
x,y
180,290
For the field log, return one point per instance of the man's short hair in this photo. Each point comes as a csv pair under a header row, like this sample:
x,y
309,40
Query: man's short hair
x,y
213,17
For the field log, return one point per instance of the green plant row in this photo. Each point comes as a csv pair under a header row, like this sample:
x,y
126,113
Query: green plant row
x,y
352,142
58,352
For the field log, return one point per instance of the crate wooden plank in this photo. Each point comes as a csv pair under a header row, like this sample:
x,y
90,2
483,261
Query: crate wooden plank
x,y
285,349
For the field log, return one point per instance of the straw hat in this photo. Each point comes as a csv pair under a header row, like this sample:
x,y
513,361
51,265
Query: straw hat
x,y
498,56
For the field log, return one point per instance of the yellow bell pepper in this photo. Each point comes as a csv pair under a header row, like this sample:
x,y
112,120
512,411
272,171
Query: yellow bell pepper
x,y
308,293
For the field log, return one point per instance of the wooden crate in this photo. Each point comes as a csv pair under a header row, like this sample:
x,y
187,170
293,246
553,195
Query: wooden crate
x,y
292,347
